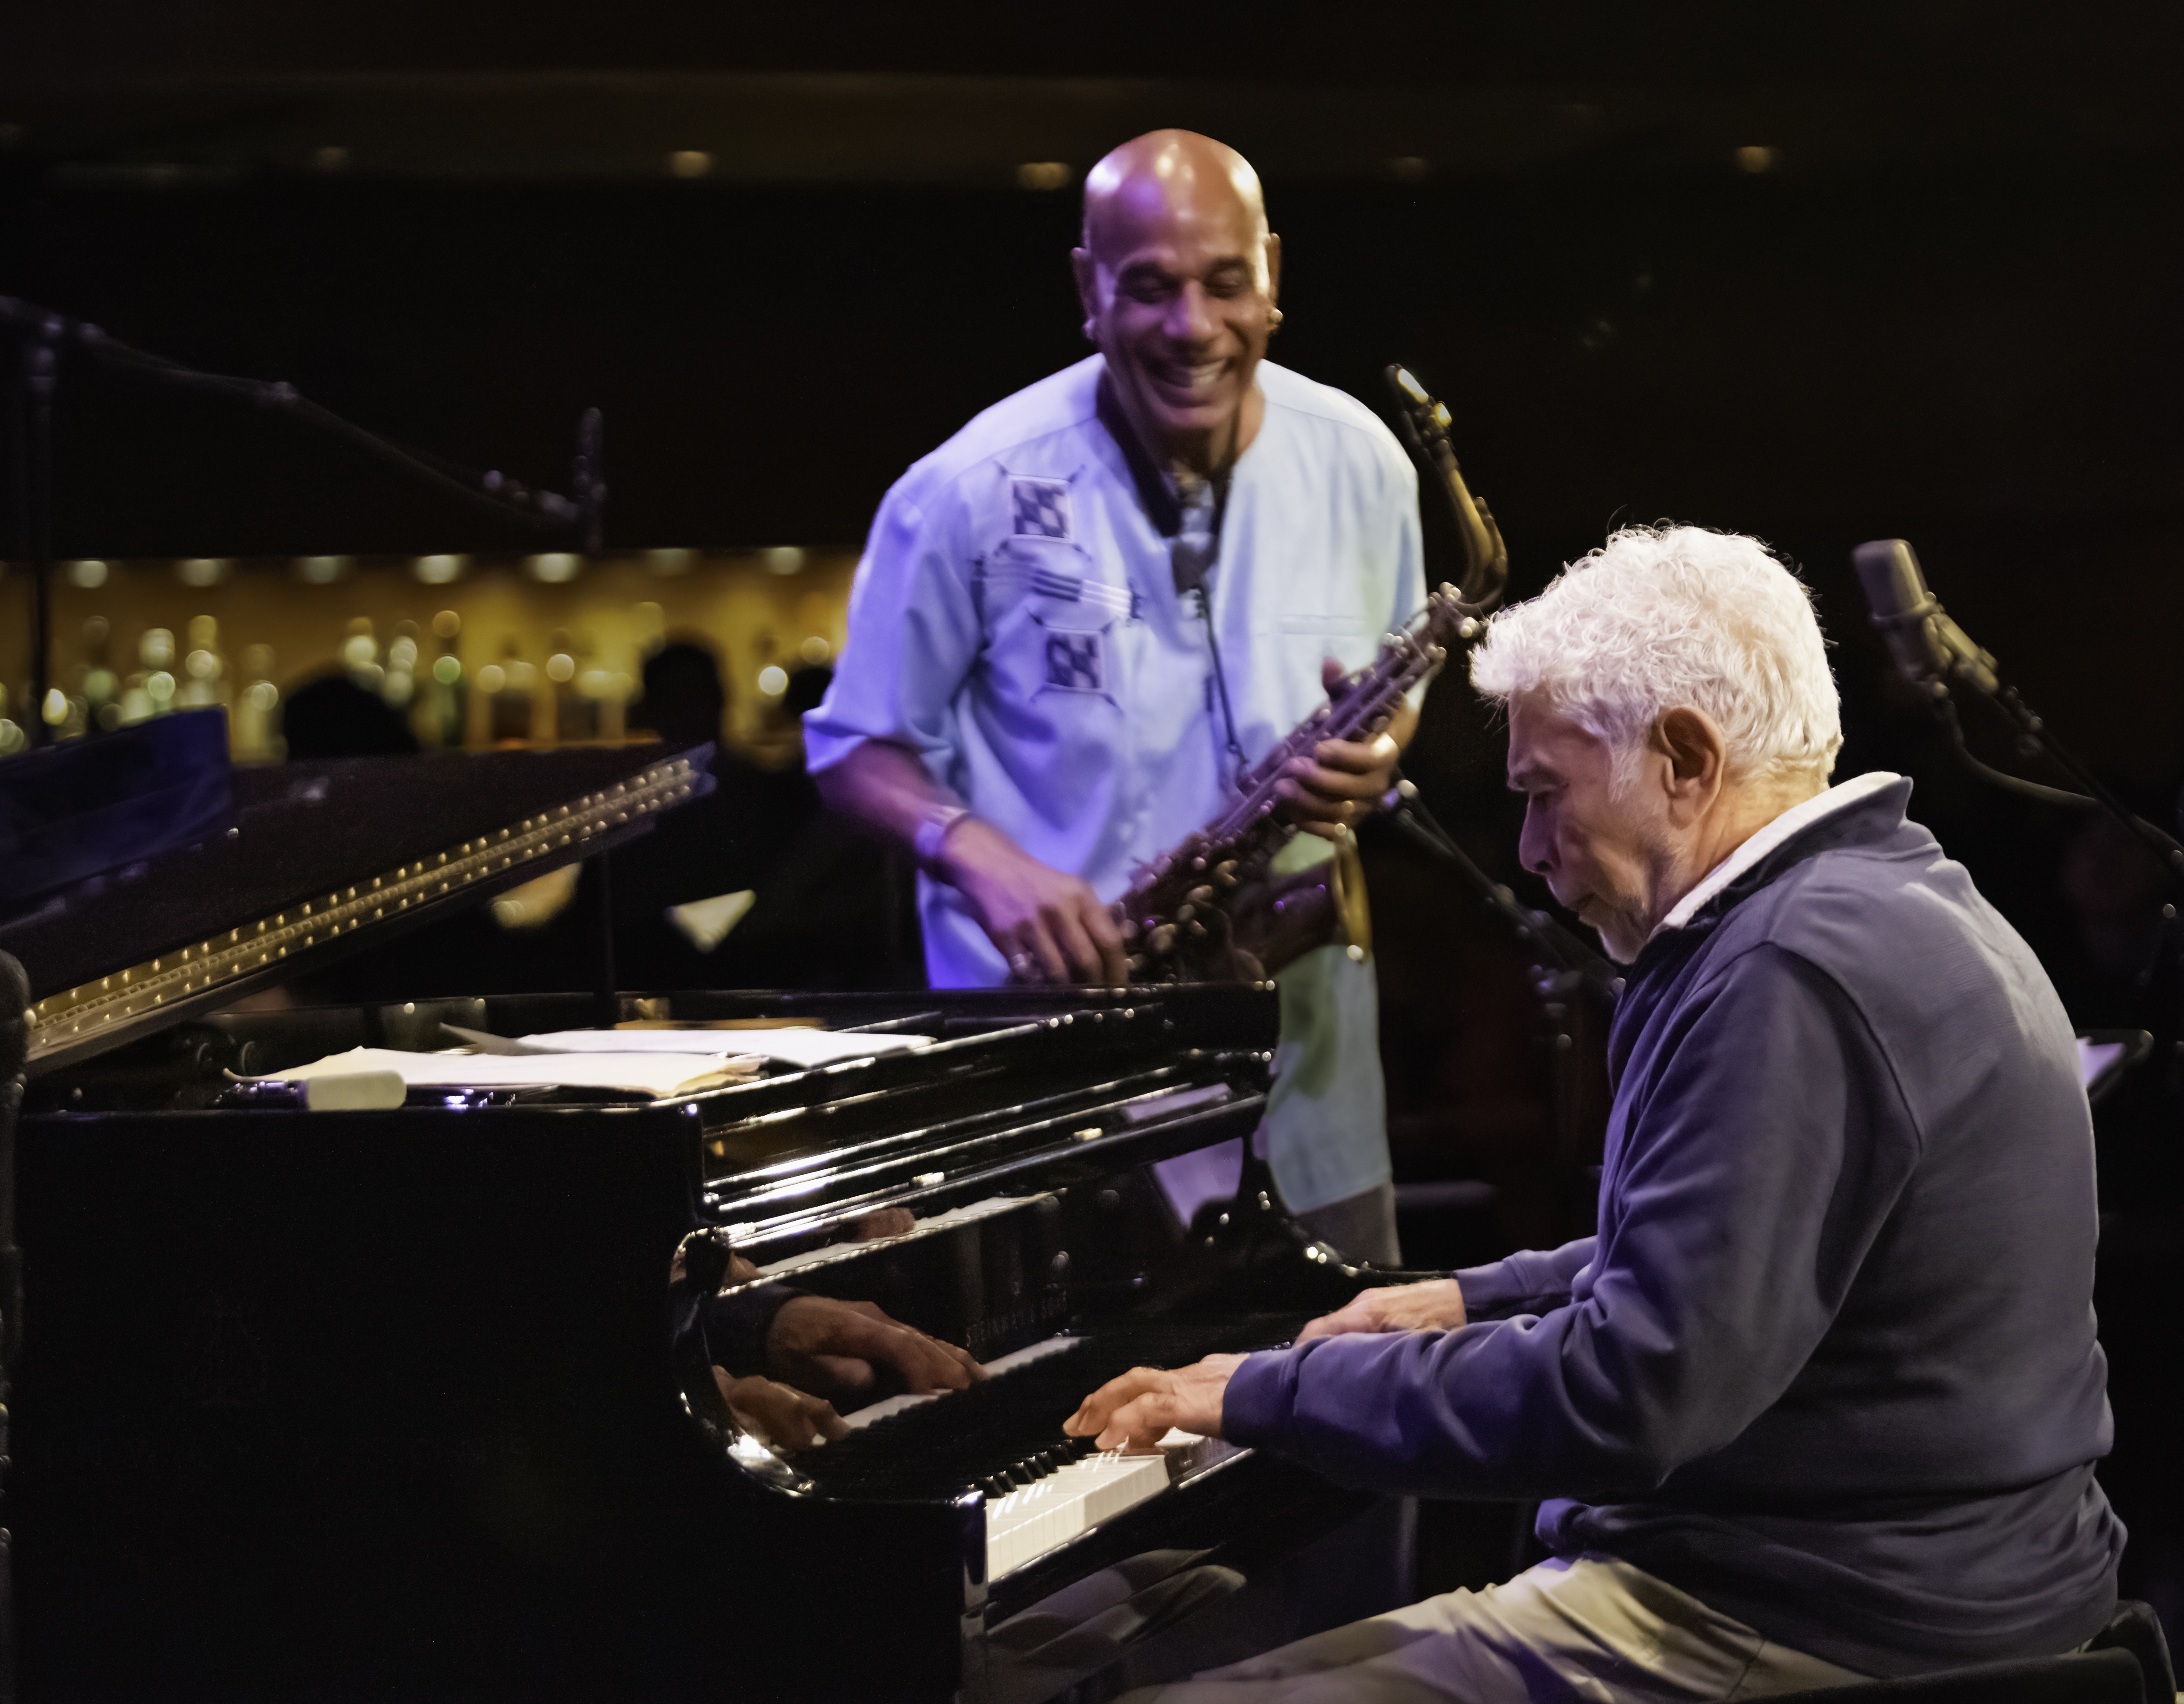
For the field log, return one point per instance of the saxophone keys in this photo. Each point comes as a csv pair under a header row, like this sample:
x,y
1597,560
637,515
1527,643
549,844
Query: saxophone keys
x,y
1183,914
1224,873
1200,895
1197,931
1161,941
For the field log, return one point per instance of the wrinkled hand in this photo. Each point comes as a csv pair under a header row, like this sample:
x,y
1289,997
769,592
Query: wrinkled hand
x,y
1050,927
1343,781
818,1344
1138,1409
778,1414
1435,1305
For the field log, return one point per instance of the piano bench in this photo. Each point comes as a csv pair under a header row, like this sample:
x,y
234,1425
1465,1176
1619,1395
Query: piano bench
x,y
2126,1663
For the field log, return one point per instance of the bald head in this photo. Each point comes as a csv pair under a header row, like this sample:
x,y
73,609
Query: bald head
x,y
1165,172
1178,274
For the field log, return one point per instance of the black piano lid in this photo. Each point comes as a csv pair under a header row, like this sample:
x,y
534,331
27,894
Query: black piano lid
x,y
320,858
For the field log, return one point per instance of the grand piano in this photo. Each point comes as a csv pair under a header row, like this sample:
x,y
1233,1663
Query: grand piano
x,y
393,1404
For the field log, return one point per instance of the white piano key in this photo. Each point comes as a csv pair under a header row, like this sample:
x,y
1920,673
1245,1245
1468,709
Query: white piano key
x,y
1033,1519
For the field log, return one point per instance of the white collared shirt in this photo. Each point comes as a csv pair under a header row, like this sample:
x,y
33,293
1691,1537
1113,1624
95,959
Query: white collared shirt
x,y
1792,821
1014,622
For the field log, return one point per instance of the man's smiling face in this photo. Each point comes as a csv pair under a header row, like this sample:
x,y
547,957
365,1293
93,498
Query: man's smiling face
x,y
1604,857
1178,280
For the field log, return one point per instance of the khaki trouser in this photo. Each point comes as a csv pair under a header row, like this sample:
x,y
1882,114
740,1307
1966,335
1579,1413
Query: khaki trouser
x,y
1593,1629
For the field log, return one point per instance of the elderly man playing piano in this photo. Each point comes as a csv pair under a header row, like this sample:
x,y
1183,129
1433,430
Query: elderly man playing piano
x,y
1821,1399
1080,616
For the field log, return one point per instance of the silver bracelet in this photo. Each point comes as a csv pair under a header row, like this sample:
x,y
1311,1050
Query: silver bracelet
x,y
932,831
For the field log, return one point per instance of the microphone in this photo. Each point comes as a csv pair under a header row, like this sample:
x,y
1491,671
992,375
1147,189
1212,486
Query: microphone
x,y
1928,646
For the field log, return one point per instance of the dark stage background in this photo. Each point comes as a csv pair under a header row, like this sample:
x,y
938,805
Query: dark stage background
x,y
1897,270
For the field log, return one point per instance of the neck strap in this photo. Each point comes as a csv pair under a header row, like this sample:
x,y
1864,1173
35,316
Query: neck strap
x,y
1189,562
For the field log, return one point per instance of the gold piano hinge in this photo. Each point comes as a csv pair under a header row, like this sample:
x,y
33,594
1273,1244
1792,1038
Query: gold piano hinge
x,y
61,1020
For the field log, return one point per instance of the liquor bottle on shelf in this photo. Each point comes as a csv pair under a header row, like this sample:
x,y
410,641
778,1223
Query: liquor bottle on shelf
x,y
442,714
150,689
66,712
102,687
205,670
576,713
400,687
509,686
253,729
359,655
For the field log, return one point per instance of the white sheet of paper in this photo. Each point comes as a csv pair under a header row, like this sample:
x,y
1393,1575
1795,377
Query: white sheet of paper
x,y
657,1074
790,1047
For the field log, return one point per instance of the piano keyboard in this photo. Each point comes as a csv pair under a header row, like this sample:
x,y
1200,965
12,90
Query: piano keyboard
x,y
1032,1519
1003,1437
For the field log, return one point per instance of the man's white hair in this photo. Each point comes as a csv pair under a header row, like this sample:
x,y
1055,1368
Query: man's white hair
x,y
1663,616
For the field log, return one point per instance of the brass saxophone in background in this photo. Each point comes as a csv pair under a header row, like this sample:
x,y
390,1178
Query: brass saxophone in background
x,y
1212,908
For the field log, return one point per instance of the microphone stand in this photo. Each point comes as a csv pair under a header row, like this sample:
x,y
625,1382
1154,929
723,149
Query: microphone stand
x,y
38,377
1933,652
1955,658
1562,966
1562,961
1944,654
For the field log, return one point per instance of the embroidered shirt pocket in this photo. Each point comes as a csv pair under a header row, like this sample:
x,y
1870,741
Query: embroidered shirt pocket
x,y
1049,623
1050,629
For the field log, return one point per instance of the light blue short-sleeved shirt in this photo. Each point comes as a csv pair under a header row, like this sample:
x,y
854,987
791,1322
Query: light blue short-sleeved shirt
x,y
1014,622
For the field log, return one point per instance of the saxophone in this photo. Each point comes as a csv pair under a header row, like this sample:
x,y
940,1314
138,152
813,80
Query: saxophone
x,y
1212,908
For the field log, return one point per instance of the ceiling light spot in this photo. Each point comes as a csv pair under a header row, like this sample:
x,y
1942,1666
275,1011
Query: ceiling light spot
x,y
554,569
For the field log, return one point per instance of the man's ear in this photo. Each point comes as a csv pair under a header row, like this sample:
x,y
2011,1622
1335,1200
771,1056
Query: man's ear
x,y
1088,286
1273,269
1698,760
